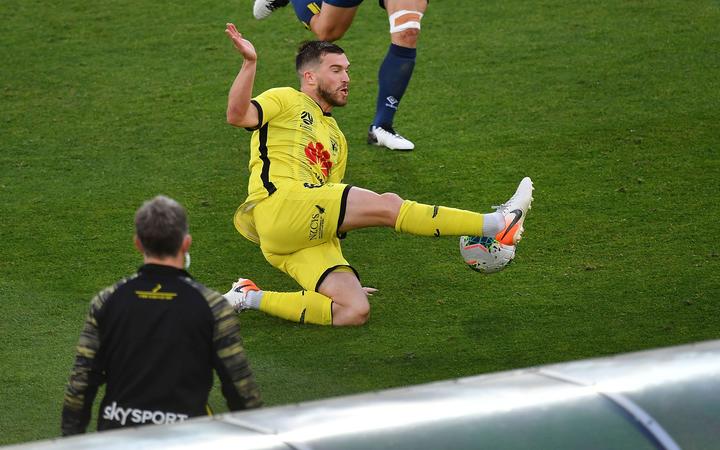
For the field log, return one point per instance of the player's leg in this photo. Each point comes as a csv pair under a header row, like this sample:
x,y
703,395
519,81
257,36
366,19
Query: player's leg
x,y
299,306
298,228
332,293
366,208
350,302
329,19
369,209
396,70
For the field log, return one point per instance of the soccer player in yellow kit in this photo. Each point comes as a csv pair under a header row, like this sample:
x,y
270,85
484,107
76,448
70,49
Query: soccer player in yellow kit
x,y
297,207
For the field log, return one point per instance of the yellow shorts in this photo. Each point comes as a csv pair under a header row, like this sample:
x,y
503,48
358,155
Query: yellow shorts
x,y
298,230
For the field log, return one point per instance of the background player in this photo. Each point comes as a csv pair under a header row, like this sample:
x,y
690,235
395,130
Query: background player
x,y
297,209
155,338
330,19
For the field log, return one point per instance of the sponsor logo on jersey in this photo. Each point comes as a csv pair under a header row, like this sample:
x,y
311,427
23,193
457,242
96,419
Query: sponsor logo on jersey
x,y
317,224
128,416
156,294
318,157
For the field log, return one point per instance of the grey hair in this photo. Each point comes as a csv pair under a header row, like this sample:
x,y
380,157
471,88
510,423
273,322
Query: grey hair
x,y
161,225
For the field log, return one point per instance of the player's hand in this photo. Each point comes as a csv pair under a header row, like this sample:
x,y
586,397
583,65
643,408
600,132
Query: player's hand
x,y
369,291
243,46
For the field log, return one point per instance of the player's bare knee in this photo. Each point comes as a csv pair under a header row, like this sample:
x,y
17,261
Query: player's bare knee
x,y
360,317
391,206
405,27
391,199
362,311
354,315
350,321
329,34
406,38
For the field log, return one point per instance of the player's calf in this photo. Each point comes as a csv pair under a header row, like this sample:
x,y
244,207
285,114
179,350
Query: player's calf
x,y
350,303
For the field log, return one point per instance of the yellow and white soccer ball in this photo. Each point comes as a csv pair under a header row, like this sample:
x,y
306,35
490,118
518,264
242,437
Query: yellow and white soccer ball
x,y
485,254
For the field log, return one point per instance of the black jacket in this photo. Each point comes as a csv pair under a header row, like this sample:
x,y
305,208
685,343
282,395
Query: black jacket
x,y
155,339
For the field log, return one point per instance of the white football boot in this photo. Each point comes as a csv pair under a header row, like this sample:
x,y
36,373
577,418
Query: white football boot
x,y
388,138
237,296
515,210
263,8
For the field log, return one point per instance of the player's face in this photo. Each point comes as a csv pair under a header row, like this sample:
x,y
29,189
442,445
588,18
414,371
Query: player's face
x,y
333,79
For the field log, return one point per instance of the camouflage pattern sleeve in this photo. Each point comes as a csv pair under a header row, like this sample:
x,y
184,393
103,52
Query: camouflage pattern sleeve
x,y
230,362
85,377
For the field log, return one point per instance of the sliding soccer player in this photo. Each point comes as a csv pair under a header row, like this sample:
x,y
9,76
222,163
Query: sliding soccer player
x,y
297,207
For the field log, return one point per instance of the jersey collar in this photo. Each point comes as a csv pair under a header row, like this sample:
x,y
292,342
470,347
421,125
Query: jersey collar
x,y
162,270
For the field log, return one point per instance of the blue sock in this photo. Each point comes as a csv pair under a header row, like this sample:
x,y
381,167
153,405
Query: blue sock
x,y
393,79
305,9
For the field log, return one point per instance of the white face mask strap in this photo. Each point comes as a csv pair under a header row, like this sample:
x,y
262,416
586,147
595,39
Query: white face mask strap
x,y
187,261
404,19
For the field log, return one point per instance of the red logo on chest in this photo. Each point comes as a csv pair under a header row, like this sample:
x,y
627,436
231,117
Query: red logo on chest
x,y
318,156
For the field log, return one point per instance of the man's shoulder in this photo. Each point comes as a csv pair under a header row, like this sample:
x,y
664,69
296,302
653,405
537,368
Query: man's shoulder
x,y
211,296
128,287
279,99
281,92
113,288
218,306
196,285
285,89
102,297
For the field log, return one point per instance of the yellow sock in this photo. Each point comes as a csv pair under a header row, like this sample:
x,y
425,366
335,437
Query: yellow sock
x,y
426,220
302,307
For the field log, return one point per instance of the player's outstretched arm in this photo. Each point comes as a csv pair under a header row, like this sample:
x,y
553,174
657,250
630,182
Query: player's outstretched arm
x,y
240,111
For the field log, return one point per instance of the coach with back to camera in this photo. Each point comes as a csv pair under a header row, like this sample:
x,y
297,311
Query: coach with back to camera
x,y
155,338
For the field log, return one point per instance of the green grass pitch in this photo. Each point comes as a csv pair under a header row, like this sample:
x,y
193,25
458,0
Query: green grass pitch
x,y
611,107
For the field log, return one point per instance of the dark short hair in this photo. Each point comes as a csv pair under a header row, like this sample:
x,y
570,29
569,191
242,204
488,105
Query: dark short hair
x,y
161,225
311,52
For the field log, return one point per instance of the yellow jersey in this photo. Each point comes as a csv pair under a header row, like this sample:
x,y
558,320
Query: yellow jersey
x,y
293,141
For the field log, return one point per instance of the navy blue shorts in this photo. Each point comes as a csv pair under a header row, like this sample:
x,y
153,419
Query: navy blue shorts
x,y
343,3
352,3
